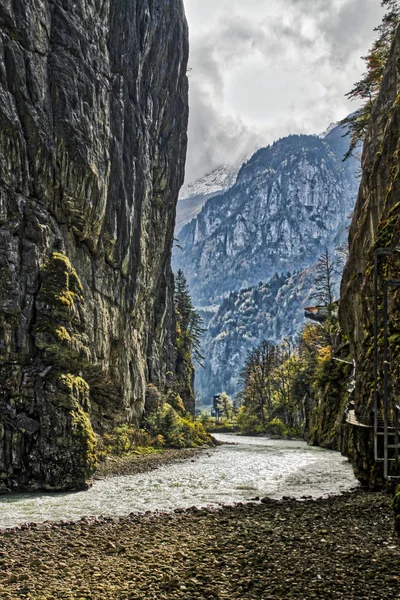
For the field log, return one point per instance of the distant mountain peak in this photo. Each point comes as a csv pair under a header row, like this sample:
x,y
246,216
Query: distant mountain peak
x,y
218,180
289,201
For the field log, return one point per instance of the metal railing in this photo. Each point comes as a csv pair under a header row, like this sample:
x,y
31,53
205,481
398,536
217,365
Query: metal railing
x,y
390,429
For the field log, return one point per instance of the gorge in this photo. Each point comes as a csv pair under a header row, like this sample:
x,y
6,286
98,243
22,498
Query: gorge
x,y
98,336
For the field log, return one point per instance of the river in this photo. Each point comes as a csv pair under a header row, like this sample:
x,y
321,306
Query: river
x,y
251,467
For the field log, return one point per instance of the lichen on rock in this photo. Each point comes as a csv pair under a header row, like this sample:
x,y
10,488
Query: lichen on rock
x,y
93,122
61,316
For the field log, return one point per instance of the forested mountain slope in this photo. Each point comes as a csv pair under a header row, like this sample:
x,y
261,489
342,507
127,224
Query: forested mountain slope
x,y
272,311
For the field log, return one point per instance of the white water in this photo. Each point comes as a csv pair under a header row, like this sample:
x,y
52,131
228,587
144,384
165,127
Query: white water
x,y
227,474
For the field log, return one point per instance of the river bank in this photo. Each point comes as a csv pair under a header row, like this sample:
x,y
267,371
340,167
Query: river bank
x,y
142,463
337,547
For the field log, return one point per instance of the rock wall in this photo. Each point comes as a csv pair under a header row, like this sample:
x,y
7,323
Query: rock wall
x,y
93,120
375,224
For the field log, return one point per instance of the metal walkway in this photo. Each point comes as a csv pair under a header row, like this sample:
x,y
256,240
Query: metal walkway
x,y
385,417
386,451
386,412
387,442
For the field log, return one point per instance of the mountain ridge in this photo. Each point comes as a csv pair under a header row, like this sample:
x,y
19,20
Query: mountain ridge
x,y
290,200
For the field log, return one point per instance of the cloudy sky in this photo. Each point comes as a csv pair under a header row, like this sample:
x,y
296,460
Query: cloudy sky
x,y
261,69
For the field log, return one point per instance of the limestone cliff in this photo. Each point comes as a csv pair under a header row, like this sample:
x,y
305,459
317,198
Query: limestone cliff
x,y
376,224
93,119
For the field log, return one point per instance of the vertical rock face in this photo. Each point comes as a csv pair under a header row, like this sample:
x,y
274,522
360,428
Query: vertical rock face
x,y
376,224
93,119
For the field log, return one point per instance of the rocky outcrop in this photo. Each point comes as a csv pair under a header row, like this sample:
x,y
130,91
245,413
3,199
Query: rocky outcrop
x,y
289,202
93,118
375,224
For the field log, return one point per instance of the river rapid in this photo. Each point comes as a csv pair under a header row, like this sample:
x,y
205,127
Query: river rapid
x,y
247,468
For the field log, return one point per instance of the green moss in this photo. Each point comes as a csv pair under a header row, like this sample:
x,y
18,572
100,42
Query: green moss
x,y
59,329
59,276
86,440
74,383
387,228
74,392
330,386
63,334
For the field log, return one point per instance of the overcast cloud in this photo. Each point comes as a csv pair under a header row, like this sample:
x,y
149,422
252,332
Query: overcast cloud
x,y
262,69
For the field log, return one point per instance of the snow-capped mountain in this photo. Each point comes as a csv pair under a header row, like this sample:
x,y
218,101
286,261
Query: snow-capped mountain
x,y
327,130
289,202
194,195
219,180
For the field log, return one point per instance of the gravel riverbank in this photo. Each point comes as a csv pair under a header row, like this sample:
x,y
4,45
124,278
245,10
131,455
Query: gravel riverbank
x,y
340,547
141,463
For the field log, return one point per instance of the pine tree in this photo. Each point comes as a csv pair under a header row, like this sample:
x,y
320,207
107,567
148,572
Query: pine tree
x,y
189,322
187,343
368,87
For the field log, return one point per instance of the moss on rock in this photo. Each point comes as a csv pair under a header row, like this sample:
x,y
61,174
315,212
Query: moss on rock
x,y
85,439
60,325
60,333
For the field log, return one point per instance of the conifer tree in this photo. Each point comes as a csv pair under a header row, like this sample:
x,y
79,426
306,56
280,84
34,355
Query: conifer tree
x,y
368,87
325,280
189,322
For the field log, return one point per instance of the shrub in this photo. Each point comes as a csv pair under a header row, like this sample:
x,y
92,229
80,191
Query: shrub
x,y
175,430
204,418
122,441
277,428
248,422
175,400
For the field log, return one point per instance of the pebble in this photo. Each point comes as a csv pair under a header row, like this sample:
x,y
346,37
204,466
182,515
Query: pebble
x,y
338,548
